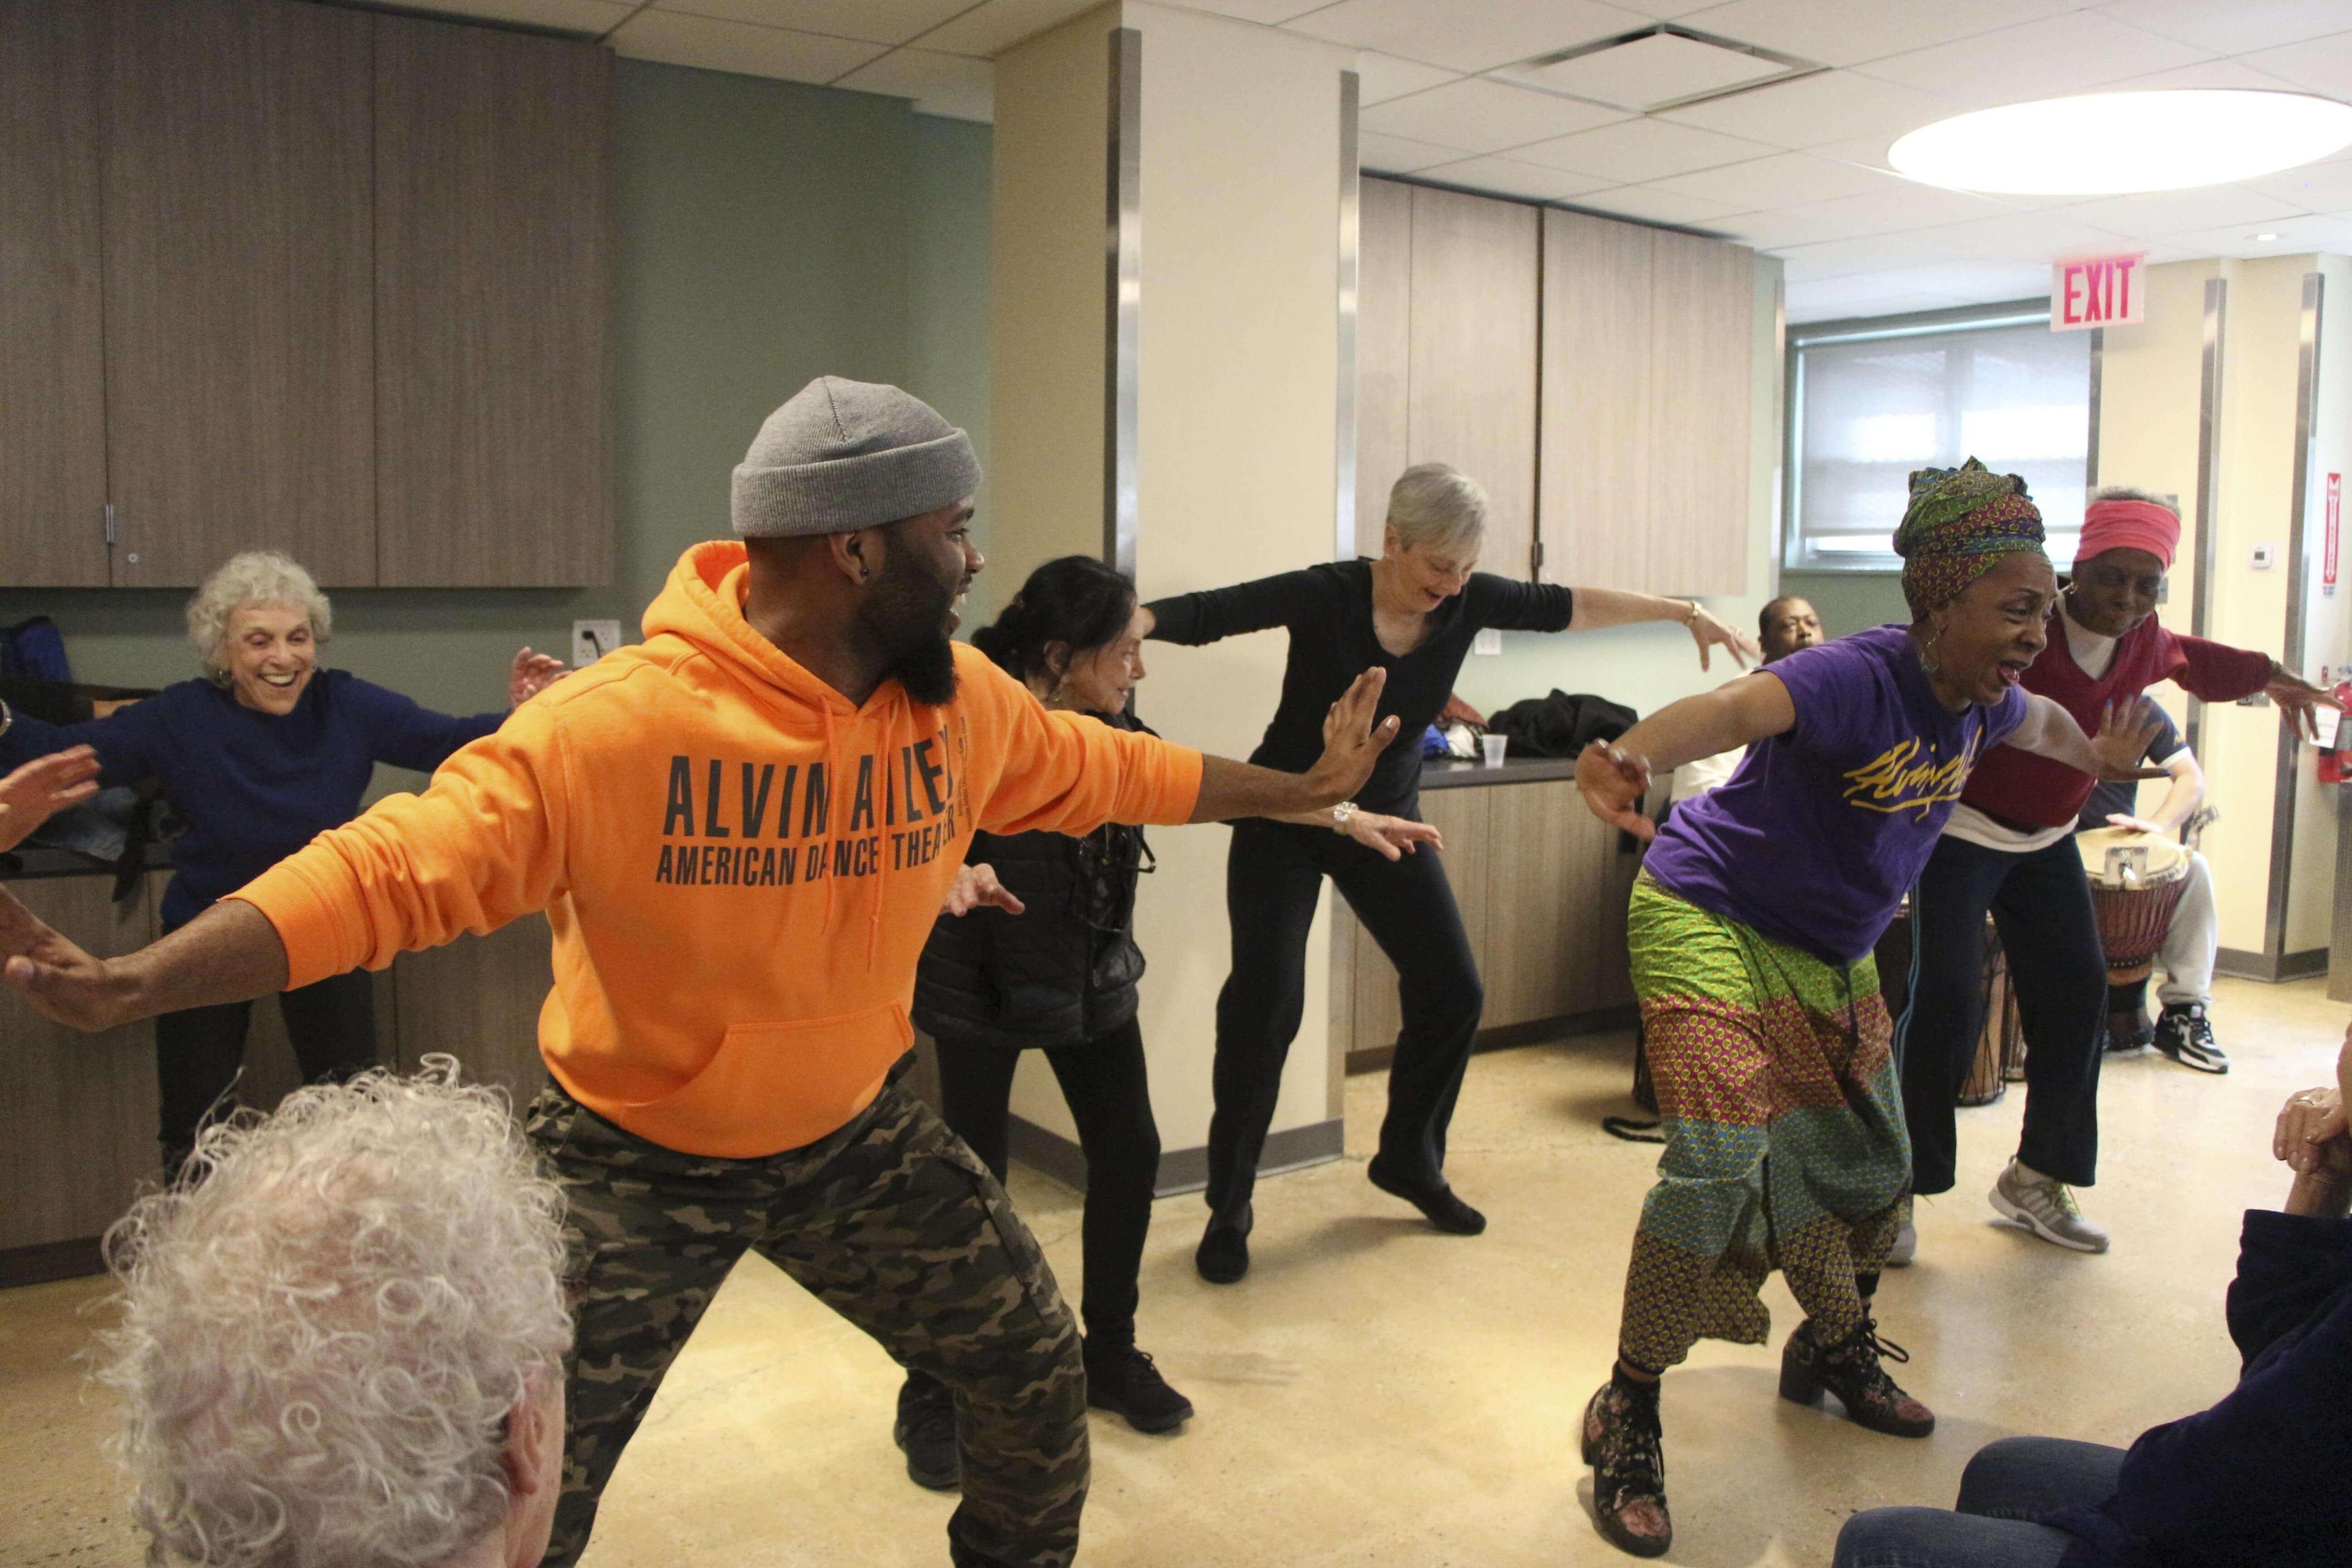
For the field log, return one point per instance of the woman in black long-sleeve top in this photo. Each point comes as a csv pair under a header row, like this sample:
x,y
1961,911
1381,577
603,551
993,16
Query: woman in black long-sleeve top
x,y
1413,613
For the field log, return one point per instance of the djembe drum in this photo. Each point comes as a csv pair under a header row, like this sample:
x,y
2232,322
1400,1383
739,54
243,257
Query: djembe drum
x,y
2137,880
2000,1039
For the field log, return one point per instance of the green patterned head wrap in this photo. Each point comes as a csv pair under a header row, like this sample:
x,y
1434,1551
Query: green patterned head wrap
x,y
1960,524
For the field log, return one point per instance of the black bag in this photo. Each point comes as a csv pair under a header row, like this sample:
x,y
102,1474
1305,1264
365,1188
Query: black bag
x,y
1561,725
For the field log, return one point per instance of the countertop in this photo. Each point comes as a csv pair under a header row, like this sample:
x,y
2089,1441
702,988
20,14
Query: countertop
x,y
1447,772
40,860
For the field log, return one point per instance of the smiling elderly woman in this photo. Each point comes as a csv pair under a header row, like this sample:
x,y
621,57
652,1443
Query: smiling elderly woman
x,y
257,758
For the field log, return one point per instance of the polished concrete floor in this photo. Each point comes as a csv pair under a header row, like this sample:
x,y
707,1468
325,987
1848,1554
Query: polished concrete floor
x,y
1378,1394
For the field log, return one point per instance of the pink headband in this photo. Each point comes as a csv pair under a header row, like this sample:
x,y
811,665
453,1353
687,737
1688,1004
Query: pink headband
x,y
2129,525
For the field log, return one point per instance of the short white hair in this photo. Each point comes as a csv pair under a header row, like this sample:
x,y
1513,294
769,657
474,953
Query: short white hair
x,y
252,577
325,1325
1435,504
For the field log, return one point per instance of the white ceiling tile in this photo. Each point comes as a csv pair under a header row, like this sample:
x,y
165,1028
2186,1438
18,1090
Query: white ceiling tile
x,y
1848,32
990,29
2314,187
2035,238
2073,53
2321,65
1843,257
1666,10
1657,206
870,21
1657,70
1981,281
2295,234
1784,179
591,18
1269,13
1400,156
2157,213
1905,206
1468,35
676,39
956,85
2231,74
1510,177
1832,106
1833,306
1480,116
1383,77
2238,27
1635,151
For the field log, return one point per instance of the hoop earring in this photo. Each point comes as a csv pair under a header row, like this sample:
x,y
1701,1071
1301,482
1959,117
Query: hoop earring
x,y
1927,662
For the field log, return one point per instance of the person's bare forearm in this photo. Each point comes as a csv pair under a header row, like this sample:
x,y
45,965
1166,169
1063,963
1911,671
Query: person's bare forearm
x,y
1737,714
1230,789
2181,799
2321,1195
228,954
1598,608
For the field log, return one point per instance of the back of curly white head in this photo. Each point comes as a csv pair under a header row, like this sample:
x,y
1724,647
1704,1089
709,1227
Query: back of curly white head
x,y
320,1341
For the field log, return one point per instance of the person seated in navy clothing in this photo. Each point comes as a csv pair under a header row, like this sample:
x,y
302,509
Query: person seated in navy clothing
x,y
261,755
2260,1478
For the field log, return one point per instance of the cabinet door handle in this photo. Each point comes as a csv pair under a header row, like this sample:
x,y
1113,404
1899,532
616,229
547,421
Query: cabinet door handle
x,y
111,539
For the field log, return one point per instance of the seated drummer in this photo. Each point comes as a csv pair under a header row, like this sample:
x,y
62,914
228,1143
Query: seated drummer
x,y
1782,626
2008,850
2193,938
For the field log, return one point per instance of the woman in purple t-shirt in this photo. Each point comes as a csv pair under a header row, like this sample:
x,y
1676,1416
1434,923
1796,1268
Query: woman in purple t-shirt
x,y
1751,930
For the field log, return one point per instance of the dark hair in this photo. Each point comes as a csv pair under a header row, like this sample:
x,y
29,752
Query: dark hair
x,y
1764,616
1075,600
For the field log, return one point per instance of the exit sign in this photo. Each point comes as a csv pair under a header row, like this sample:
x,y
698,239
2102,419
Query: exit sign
x,y
2088,291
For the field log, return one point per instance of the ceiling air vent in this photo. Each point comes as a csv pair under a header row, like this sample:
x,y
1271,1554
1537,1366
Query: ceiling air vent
x,y
1664,67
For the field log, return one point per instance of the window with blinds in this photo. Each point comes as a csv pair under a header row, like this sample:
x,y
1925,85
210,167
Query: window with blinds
x,y
1869,402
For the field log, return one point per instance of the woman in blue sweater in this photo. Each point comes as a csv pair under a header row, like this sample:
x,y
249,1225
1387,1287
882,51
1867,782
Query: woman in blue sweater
x,y
2258,1479
257,758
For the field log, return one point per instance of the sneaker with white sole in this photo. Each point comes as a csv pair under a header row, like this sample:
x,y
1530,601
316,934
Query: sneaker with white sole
x,y
2047,1208
2184,1034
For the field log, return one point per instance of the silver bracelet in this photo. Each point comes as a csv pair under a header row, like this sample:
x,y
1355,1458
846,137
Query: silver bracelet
x,y
1342,814
7,717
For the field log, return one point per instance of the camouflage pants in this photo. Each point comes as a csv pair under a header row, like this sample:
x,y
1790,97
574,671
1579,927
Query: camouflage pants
x,y
889,1220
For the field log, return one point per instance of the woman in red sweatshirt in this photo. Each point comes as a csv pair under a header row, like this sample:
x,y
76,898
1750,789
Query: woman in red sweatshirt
x,y
2010,848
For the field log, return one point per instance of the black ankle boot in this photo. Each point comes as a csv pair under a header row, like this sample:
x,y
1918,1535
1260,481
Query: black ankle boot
x,y
1852,1371
1444,1209
1224,1254
1123,1380
1624,1445
926,1430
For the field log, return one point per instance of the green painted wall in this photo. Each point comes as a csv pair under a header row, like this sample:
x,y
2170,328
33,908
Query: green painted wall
x,y
769,233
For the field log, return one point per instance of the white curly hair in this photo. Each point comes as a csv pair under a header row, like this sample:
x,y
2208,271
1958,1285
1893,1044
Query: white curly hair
x,y
252,577
1437,505
325,1325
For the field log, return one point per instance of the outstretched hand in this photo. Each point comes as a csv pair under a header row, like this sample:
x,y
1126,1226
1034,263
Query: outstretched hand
x,y
1614,782
1709,631
2298,699
530,674
1393,837
975,887
1352,743
58,979
2126,730
43,787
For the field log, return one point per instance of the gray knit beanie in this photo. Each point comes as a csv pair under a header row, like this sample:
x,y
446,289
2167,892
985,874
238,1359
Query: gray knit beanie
x,y
849,454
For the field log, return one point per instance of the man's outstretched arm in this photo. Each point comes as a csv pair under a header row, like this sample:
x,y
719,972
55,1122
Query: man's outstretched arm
x,y
229,953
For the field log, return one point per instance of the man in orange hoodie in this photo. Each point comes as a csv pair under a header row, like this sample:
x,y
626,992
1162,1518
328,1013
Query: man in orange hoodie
x,y
741,830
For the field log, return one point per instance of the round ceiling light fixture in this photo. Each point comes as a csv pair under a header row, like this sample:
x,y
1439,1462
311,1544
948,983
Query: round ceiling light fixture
x,y
2114,143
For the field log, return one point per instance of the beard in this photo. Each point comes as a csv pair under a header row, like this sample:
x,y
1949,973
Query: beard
x,y
906,615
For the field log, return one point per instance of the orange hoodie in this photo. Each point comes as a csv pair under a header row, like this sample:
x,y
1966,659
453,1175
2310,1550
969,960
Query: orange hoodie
x,y
740,866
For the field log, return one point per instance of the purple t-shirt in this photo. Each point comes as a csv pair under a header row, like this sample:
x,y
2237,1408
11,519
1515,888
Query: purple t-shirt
x,y
1816,839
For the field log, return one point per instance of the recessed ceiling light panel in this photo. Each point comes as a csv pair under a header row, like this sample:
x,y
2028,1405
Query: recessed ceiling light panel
x,y
2112,144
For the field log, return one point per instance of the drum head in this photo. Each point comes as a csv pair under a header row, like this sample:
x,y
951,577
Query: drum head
x,y
2116,858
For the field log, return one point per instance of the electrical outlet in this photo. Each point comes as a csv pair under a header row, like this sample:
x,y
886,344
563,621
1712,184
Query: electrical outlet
x,y
2264,555
591,640
1488,640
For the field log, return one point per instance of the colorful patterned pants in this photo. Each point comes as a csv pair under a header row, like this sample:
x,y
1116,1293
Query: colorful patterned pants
x,y
892,1223
1785,1146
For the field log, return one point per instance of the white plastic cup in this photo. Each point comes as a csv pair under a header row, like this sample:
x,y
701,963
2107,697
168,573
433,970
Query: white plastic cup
x,y
1494,746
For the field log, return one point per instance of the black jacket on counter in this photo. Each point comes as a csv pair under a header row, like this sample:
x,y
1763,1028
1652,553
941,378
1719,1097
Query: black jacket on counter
x,y
1060,973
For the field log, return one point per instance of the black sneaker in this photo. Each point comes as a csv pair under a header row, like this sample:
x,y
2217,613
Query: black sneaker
x,y
926,1429
1122,1379
1224,1254
2183,1034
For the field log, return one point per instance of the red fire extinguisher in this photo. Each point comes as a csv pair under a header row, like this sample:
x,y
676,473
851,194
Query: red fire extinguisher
x,y
2335,761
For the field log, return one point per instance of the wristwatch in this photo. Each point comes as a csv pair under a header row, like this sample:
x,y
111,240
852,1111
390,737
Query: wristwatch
x,y
1342,814
1691,617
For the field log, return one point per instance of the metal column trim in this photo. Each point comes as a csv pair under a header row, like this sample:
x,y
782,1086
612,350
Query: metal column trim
x,y
1123,301
2091,447
2286,786
2209,481
1343,544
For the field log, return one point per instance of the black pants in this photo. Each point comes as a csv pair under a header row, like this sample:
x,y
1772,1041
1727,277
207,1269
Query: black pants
x,y
1273,874
198,1051
2040,905
1110,1098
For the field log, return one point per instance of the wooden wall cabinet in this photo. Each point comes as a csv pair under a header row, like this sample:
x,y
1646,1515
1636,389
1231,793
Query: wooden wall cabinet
x,y
303,277
1594,375
1542,886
